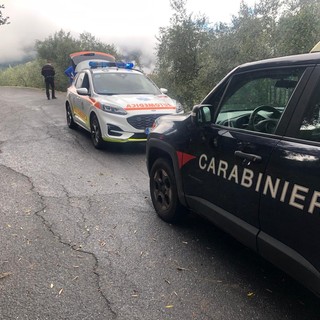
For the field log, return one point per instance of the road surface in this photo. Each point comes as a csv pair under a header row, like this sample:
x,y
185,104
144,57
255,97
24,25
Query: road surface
x,y
80,239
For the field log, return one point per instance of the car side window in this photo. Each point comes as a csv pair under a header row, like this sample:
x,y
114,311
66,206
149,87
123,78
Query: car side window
x,y
79,80
255,100
82,81
85,83
310,126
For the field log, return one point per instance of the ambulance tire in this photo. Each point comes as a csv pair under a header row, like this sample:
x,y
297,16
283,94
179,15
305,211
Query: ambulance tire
x,y
163,192
70,121
95,131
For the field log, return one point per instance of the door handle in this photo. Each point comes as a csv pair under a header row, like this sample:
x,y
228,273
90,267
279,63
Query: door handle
x,y
248,156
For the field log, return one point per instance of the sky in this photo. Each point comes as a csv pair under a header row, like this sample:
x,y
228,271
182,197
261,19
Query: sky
x,y
123,23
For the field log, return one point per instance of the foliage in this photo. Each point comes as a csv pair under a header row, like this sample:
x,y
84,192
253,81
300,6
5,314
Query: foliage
x,y
57,48
298,28
3,20
192,57
179,53
22,75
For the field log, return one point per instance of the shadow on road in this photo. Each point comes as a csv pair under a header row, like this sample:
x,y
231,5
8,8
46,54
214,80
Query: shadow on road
x,y
251,270
130,148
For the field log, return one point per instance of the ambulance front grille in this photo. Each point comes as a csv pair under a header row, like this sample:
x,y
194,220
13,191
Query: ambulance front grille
x,y
144,121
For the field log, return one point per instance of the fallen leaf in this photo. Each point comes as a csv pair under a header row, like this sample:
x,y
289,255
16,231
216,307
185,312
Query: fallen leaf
x,y
181,269
102,243
4,274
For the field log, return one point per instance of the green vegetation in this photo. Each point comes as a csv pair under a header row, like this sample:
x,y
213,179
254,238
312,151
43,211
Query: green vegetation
x,y
3,20
192,54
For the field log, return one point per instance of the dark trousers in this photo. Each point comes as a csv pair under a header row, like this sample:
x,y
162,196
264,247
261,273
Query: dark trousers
x,y
49,84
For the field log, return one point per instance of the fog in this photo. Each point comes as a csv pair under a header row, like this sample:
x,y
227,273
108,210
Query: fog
x,y
126,25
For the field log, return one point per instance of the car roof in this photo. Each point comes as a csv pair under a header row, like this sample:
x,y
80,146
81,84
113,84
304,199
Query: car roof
x,y
113,70
292,60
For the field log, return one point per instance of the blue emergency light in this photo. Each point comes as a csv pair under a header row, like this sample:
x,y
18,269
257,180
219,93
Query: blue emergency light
x,y
106,64
125,65
101,64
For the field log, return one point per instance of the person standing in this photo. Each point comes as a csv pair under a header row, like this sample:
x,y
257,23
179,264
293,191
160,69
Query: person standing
x,y
48,73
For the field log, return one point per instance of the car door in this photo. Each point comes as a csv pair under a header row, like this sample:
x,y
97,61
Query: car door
x,y
233,150
290,219
81,102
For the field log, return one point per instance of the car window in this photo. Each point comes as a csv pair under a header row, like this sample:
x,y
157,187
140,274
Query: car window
x,y
82,81
123,83
256,100
79,80
310,126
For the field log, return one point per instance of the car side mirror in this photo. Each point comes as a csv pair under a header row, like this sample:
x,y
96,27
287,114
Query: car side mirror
x,y
201,114
83,91
164,90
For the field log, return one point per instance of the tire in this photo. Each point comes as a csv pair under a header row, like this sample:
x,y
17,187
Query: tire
x,y
95,131
70,121
163,191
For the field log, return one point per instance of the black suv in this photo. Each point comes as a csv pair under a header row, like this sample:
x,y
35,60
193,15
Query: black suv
x,y
248,159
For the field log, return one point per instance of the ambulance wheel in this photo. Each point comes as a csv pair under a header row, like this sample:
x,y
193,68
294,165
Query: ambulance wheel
x,y
163,191
96,132
70,121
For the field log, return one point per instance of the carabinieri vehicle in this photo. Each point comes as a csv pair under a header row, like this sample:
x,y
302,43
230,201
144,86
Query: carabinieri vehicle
x,y
248,159
115,102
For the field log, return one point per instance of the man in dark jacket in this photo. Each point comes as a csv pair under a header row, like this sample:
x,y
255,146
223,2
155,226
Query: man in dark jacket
x,y
48,73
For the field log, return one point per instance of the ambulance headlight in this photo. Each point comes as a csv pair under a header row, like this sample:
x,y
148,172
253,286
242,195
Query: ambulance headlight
x,y
113,109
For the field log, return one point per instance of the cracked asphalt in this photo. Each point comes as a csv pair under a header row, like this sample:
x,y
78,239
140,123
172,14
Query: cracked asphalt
x,y
80,240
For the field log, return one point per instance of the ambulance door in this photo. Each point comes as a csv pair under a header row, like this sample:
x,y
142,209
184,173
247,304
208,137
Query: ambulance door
x,y
86,102
81,102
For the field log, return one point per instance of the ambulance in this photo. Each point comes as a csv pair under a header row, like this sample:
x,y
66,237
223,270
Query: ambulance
x,y
114,101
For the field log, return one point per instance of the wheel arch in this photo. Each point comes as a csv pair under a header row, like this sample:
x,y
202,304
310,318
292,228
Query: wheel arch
x,y
93,114
160,149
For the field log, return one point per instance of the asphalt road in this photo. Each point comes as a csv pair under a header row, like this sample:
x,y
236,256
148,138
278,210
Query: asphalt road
x,y
80,240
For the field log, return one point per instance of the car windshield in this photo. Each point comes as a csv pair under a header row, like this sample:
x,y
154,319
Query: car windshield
x,y
123,83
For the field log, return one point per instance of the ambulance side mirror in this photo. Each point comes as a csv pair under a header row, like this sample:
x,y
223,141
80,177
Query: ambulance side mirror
x,y
83,91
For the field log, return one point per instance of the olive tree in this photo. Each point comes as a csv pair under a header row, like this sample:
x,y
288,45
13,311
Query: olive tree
x,y
179,53
58,46
3,20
